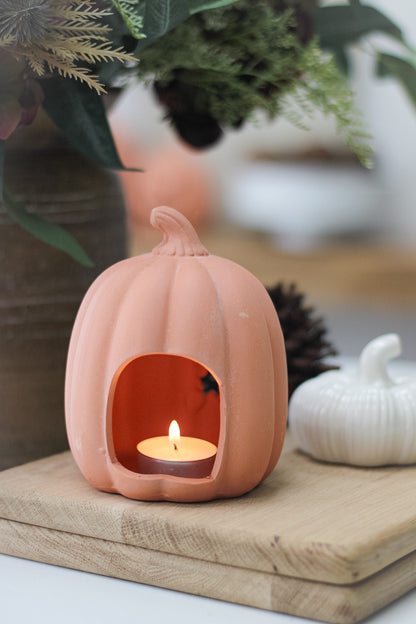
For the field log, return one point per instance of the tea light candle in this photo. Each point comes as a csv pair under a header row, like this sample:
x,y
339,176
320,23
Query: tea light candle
x,y
180,456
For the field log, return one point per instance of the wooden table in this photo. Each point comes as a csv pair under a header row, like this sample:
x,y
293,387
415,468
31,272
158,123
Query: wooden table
x,y
370,273
333,543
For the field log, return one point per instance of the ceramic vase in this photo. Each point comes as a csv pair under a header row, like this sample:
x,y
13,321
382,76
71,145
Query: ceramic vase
x,y
41,287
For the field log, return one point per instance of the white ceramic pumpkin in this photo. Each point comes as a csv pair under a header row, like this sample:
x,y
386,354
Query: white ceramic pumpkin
x,y
362,418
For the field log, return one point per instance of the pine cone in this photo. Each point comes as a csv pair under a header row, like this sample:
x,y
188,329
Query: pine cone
x,y
304,334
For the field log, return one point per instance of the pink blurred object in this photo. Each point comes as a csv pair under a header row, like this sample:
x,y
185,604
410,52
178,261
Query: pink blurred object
x,y
171,176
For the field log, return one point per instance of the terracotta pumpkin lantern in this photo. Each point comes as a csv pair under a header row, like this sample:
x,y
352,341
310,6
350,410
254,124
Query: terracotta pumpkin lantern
x,y
176,335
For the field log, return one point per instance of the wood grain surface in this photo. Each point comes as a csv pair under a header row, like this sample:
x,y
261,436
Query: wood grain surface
x,y
310,520
340,604
371,273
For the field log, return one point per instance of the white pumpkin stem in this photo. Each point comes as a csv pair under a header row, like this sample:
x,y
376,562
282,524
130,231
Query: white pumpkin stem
x,y
374,357
179,236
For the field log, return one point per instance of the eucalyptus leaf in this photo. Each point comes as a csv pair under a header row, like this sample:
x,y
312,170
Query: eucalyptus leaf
x,y
341,59
79,112
161,16
44,230
341,25
131,14
196,7
404,70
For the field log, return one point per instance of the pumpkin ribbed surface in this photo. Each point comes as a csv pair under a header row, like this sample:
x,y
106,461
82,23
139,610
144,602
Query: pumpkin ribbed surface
x,y
194,306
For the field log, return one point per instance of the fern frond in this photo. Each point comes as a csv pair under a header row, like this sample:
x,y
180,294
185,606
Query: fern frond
x,y
72,42
324,88
79,13
6,41
260,65
81,50
63,57
129,11
83,29
77,73
36,65
103,52
59,34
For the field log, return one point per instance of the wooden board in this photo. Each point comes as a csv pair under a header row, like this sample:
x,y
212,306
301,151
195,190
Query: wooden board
x,y
359,271
341,604
327,542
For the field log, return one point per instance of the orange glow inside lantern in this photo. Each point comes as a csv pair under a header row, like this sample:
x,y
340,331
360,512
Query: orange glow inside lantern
x,y
150,394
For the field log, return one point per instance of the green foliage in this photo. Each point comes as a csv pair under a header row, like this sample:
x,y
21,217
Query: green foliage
x,y
44,230
404,70
80,114
130,12
161,16
324,88
38,227
34,224
235,61
230,63
340,25
195,7
226,59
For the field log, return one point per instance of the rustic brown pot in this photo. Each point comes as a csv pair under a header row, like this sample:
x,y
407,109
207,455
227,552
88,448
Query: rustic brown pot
x,y
41,288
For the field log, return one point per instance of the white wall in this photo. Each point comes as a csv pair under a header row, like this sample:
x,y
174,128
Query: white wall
x,y
392,120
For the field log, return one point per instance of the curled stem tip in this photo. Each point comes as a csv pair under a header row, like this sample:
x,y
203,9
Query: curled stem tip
x,y
375,355
179,236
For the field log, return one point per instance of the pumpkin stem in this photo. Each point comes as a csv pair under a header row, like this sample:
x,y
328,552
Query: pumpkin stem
x,y
374,357
179,236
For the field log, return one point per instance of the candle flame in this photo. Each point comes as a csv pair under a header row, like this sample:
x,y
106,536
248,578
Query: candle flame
x,y
174,434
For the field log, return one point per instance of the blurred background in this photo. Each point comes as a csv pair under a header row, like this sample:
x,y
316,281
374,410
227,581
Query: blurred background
x,y
296,206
